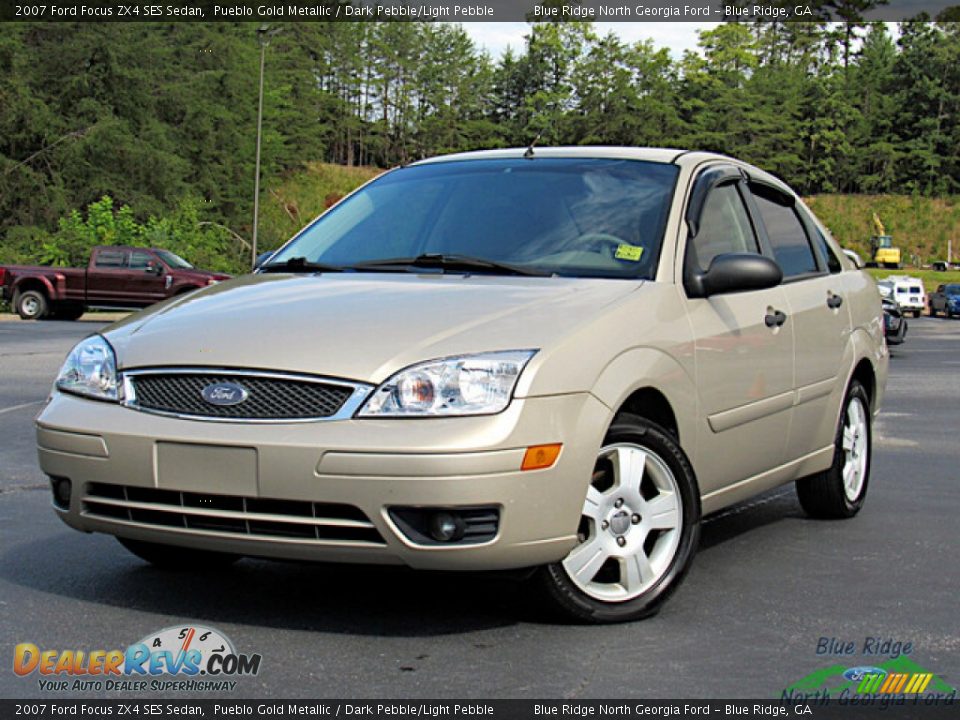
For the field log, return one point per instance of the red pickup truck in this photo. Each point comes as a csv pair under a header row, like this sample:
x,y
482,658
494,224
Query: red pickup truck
x,y
116,277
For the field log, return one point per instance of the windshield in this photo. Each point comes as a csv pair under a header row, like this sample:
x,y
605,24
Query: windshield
x,y
174,261
952,290
583,217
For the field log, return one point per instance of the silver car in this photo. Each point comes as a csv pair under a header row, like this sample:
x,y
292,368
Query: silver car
x,y
556,359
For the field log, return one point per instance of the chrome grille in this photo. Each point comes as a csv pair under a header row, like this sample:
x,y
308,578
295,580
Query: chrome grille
x,y
274,397
255,517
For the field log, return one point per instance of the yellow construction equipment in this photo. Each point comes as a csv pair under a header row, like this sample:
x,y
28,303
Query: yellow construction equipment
x,y
883,253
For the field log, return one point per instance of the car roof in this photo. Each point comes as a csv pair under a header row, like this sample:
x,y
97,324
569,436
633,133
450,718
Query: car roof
x,y
686,159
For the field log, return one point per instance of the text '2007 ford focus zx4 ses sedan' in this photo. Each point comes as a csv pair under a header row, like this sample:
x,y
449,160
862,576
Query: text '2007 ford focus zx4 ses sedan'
x,y
554,360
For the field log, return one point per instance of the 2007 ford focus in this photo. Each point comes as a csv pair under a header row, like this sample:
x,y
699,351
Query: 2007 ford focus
x,y
557,359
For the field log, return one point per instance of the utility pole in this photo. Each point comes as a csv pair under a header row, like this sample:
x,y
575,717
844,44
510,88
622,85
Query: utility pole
x,y
263,37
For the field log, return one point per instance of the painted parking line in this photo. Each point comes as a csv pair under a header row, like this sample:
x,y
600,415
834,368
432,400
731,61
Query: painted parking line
x,y
4,411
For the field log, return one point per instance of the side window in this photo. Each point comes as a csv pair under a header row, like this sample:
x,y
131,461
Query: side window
x,y
110,259
833,265
791,248
141,260
724,226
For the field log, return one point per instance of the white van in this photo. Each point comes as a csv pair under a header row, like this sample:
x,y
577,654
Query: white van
x,y
907,291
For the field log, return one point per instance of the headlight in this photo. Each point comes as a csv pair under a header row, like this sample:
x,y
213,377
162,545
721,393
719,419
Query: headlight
x,y
470,385
90,370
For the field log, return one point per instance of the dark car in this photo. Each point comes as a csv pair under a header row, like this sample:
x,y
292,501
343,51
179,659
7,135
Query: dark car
x,y
894,322
116,277
945,300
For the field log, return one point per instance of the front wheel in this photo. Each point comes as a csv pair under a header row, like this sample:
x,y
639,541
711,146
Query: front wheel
x,y
638,530
839,491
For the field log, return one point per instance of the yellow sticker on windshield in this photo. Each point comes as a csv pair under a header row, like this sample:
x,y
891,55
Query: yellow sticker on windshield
x,y
629,252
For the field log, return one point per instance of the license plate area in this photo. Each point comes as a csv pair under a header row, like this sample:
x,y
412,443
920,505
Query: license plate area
x,y
213,469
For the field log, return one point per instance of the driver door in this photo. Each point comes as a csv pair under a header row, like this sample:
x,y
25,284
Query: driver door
x,y
744,359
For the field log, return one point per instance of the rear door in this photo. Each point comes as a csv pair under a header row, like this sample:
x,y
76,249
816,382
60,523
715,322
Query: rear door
x,y
106,276
818,314
744,362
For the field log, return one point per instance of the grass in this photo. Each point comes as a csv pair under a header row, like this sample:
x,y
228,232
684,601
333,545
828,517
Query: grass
x,y
931,278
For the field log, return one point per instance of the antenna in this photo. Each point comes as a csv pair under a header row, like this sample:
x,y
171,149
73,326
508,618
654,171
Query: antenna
x,y
528,153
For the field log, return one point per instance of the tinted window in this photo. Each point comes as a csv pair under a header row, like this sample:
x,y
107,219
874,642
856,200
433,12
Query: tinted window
x,y
787,237
110,259
141,260
592,217
724,226
833,265
174,261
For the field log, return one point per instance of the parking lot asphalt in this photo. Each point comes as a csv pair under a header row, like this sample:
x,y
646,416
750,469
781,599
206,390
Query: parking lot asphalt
x,y
767,583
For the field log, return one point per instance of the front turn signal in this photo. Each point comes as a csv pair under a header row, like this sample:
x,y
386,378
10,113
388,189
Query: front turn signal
x,y
539,457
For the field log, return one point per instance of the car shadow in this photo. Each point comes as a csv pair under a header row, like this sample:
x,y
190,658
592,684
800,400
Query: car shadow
x,y
321,597
348,599
775,506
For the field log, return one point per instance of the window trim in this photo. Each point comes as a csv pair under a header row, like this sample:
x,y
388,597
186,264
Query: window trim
x,y
705,182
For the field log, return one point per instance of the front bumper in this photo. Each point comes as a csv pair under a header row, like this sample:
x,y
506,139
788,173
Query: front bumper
x,y
367,465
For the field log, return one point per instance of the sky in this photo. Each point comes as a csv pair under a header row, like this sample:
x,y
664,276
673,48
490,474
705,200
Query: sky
x,y
678,36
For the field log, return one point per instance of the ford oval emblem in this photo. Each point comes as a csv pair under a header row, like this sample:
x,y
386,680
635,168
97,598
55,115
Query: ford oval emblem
x,y
224,393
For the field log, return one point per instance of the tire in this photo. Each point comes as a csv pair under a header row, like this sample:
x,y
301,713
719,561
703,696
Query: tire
x,y
32,305
172,557
832,494
933,313
68,311
657,522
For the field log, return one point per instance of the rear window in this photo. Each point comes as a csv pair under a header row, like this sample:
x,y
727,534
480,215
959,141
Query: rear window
x,y
110,259
791,248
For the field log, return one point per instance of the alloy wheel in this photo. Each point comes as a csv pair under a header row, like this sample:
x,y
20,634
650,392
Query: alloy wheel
x,y
856,449
630,526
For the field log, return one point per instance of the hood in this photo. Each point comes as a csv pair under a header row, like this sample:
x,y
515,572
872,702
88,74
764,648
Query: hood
x,y
362,327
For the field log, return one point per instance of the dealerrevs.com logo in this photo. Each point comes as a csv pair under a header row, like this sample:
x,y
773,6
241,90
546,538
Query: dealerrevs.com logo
x,y
180,658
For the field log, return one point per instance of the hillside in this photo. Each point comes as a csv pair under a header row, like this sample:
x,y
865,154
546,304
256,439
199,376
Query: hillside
x,y
920,226
294,201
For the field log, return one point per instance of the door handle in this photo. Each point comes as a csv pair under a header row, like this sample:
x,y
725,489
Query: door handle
x,y
775,318
834,301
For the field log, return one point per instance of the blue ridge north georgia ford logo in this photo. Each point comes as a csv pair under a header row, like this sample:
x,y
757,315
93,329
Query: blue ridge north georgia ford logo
x,y
224,393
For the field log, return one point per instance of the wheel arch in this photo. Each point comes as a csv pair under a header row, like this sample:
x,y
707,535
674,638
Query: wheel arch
x,y
34,282
651,384
867,363
863,373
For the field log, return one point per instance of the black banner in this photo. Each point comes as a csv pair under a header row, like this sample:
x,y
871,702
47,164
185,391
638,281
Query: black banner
x,y
457,10
892,707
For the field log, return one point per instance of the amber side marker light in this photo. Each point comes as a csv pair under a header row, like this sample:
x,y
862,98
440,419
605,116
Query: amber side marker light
x,y
539,457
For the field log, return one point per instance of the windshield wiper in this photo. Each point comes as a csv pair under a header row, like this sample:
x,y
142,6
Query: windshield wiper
x,y
450,262
299,264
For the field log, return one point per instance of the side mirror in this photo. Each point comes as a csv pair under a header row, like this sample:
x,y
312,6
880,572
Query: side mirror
x,y
262,258
734,272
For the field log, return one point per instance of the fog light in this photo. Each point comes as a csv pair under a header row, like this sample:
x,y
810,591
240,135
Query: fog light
x,y
446,527
62,488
